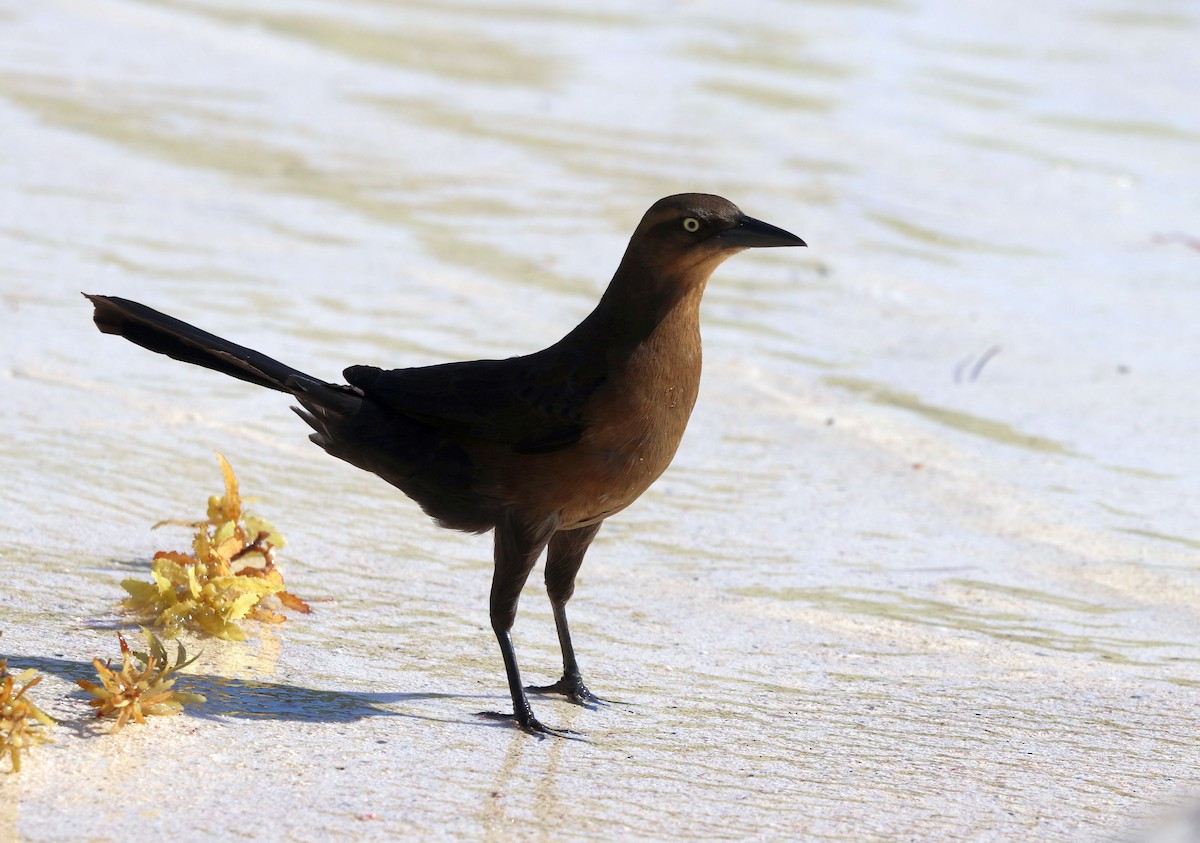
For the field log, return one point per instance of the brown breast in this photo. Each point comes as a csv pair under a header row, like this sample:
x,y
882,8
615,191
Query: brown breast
x,y
633,426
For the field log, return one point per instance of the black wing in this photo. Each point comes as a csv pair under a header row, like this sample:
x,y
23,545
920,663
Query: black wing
x,y
533,403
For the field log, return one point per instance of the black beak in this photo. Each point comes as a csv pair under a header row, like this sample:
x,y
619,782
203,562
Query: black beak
x,y
751,233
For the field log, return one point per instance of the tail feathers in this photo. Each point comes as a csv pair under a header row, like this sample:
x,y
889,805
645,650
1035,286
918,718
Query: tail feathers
x,y
167,335
325,406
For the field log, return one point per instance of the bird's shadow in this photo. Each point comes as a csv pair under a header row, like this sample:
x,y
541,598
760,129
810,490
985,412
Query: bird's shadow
x,y
256,700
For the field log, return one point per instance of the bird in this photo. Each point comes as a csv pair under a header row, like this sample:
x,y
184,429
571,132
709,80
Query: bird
x,y
540,448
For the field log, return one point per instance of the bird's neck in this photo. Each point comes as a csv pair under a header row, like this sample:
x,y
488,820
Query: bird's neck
x,y
651,343
648,307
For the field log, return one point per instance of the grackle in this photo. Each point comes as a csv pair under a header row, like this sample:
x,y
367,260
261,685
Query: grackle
x,y
541,448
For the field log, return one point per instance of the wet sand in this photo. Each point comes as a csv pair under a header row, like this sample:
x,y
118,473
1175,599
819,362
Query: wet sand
x,y
927,565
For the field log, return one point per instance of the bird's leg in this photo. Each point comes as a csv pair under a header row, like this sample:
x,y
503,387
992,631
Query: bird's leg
x,y
518,545
571,684
562,564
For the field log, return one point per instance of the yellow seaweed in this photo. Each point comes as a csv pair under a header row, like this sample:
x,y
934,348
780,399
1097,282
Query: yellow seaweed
x,y
22,724
218,584
143,685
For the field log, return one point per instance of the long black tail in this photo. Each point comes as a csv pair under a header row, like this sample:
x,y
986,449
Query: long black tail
x,y
416,457
166,335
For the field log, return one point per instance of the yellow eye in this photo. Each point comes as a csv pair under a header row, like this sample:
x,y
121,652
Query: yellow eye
x,y
691,225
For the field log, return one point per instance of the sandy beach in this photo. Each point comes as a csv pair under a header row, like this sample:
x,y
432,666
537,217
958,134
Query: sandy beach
x,y
927,565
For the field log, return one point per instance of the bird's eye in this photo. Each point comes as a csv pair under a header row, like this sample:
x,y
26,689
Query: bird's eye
x,y
691,225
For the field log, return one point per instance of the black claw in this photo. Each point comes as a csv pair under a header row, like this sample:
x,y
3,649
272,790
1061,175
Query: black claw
x,y
531,725
573,689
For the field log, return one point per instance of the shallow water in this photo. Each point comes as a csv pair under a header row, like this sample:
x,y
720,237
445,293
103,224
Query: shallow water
x,y
926,565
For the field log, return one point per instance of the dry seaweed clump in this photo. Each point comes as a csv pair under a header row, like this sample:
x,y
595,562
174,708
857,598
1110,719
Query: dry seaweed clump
x,y
225,579
22,724
142,685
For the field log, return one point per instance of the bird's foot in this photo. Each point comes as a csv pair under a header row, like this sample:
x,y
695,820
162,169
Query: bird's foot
x,y
531,725
573,689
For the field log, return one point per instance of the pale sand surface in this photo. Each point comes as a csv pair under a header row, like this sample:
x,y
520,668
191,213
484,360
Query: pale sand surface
x,y
928,563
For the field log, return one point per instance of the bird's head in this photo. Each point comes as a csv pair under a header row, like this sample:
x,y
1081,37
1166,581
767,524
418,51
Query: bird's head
x,y
683,238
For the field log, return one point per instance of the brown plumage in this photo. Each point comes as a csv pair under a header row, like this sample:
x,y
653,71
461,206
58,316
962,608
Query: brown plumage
x,y
539,448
